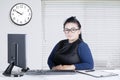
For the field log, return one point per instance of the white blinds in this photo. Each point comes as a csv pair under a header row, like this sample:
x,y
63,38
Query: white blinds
x,y
100,20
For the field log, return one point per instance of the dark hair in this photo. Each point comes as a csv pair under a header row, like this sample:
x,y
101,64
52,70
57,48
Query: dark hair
x,y
73,20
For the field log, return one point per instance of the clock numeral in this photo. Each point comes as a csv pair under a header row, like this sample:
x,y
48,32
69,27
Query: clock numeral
x,y
21,6
21,22
12,13
24,6
25,20
28,18
27,10
17,7
13,18
13,10
29,14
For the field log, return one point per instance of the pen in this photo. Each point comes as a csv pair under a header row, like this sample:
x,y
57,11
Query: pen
x,y
90,70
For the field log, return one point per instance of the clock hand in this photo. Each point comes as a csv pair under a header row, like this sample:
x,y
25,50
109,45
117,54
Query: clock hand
x,y
18,12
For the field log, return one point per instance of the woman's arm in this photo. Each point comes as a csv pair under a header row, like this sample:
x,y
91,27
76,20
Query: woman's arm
x,y
51,56
85,57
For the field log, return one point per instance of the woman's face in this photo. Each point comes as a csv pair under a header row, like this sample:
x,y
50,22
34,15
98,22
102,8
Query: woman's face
x,y
72,31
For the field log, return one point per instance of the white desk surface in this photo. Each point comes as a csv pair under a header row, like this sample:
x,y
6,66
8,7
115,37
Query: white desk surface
x,y
61,77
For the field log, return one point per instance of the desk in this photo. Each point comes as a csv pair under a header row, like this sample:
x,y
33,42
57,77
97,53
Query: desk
x,y
61,77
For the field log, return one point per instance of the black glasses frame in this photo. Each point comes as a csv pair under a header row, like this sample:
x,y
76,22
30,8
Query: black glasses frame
x,y
73,30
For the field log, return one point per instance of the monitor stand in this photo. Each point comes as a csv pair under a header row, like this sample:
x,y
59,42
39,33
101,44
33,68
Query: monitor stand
x,y
8,71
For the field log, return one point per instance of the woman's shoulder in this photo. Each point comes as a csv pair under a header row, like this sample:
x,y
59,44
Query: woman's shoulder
x,y
83,43
63,41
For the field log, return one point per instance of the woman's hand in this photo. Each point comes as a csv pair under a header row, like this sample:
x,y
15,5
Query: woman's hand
x,y
64,67
58,67
68,67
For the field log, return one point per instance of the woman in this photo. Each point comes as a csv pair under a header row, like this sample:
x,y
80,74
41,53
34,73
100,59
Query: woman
x,y
72,53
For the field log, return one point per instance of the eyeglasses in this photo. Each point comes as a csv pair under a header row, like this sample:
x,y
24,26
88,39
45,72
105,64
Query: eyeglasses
x,y
73,30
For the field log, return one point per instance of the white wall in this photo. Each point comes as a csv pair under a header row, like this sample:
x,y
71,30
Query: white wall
x,y
33,30
100,29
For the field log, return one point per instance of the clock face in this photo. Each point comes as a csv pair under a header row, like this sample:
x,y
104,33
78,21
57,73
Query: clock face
x,y
20,14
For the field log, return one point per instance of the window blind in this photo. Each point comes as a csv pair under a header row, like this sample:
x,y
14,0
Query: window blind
x,y
100,22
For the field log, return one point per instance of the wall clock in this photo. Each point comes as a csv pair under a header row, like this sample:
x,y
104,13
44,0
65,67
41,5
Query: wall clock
x,y
21,14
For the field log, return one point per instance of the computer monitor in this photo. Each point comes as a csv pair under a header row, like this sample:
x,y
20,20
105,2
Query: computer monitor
x,y
16,53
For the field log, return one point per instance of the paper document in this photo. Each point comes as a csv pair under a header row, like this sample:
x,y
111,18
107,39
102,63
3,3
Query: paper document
x,y
97,73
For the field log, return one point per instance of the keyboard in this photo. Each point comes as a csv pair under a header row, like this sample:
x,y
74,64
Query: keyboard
x,y
50,72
